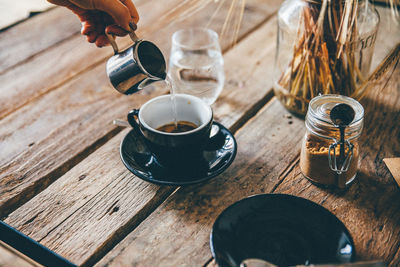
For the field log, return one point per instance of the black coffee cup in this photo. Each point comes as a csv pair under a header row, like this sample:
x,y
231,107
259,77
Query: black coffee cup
x,y
174,148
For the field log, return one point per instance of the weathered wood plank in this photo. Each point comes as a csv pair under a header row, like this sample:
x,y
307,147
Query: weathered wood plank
x,y
28,38
152,239
91,207
370,208
23,86
187,216
58,64
58,227
9,257
46,137
35,35
73,56
36,148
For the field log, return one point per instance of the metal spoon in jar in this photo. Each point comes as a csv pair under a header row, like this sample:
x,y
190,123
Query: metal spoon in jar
x,y
342,115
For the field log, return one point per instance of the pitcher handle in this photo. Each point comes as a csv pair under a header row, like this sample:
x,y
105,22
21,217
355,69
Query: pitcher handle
x,y
114,45
132,34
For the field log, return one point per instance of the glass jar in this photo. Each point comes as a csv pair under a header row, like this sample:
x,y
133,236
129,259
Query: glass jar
x,y
316,54
320,151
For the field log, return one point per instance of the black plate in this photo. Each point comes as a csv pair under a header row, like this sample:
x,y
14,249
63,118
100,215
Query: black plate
x,y
282,229
216,157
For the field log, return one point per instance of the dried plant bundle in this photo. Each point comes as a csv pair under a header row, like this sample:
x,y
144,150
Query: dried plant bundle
x,y
326,57
329,56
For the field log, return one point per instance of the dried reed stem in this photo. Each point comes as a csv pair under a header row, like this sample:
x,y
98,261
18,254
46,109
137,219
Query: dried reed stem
x,y
324,56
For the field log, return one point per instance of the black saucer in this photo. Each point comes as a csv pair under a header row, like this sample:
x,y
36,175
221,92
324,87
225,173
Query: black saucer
x,y
281,229
215,158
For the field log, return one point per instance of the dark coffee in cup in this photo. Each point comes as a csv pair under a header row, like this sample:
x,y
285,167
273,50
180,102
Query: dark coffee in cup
x,y
178,127
171,145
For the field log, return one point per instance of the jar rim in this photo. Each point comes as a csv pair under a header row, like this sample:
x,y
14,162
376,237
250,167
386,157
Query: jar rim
x,y
320,107
318,116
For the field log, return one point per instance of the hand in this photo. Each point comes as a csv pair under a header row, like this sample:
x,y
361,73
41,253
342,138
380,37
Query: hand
x,y
100,16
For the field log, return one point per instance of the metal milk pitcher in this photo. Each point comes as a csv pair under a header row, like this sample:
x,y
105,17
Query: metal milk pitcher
x,y
137,66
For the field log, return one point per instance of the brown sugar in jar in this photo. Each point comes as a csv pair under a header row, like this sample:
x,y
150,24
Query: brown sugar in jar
x,y
321,144
314,162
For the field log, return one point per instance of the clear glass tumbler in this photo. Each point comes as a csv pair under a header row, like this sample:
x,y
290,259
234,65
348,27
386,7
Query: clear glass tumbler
x,y
196,65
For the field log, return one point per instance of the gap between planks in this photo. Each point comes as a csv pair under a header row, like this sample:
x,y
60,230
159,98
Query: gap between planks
x,y
110,243
55,174
132,224
190,211
58,172
235,95
369,208
19,44
241,122
123,45
56,17
52,87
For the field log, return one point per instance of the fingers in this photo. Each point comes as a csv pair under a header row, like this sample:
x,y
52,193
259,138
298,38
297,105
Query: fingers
x,y
117,10
91,37
94,21
88,27
94,26
116,30
101,41
132,10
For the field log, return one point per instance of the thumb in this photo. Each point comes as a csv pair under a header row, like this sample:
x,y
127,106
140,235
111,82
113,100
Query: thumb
x,y
117,10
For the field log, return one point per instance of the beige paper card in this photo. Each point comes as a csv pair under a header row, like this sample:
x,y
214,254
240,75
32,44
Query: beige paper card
x,y
393,165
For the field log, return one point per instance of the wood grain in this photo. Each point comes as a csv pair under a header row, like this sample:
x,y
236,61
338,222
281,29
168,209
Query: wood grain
x,y
27,39
36,34
182,239
370,208
45,142
187,214
58,227
60,63
48,136
90,207
73,56
10,257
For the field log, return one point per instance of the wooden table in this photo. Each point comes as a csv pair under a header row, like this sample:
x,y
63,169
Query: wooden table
x,y
63,184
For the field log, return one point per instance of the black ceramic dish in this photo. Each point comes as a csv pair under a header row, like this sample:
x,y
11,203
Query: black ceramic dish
x,y
282,229
218,154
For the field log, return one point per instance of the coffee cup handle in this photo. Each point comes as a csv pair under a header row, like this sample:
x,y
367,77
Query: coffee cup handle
x,y
216,138
132,115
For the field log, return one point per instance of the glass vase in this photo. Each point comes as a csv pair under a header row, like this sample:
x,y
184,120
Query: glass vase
x,y
323,47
